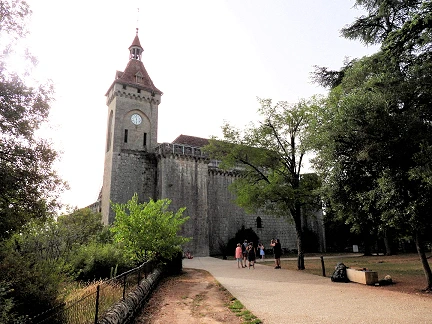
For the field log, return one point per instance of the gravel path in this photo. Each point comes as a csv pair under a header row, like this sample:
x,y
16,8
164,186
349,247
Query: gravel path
x,y
279,296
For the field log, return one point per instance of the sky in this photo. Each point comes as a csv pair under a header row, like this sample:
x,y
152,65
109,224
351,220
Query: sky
x,y
211,59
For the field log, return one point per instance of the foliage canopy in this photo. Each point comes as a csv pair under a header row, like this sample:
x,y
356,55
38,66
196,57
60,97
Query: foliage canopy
x,y
373,133
148,230
29,187
269,158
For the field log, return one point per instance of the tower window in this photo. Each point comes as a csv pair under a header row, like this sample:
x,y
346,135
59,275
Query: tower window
x,y
145,139
139,77
125,135
139,90
124,87
109,135
258,222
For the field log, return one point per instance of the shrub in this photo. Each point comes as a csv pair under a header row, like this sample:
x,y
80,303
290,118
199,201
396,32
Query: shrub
x,y
96,260
34,284
6,306
148,230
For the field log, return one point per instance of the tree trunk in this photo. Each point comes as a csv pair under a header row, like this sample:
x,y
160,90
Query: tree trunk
x,y
423,258
299,232
367,242
387,242
300,255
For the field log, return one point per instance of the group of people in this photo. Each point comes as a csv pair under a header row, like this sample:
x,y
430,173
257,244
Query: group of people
x,y
246,253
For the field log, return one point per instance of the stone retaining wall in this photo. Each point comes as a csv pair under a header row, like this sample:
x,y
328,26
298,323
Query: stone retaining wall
x,y
125,310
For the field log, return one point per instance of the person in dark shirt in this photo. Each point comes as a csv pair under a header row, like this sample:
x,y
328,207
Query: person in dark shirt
x,y
277,250
244,251
251,255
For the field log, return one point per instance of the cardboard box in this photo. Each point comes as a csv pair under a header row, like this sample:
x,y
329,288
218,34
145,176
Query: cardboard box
x,y
361,276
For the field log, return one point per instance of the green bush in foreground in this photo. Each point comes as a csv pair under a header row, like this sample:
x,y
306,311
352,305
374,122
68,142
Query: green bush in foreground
x,y
34,284
148,230
95,261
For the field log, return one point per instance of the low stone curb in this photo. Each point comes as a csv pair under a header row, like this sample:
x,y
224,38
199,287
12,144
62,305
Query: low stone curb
x,y
125,310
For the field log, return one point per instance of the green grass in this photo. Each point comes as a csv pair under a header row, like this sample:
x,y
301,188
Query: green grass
x,y
398,265
237,307
402,267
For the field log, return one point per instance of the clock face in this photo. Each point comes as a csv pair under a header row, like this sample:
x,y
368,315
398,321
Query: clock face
x,y
136,119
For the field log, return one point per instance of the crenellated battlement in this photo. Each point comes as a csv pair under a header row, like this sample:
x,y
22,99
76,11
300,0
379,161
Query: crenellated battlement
x,y
179,149
132,93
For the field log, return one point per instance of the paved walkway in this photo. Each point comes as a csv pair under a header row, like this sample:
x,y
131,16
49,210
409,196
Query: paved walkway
x,y
279,296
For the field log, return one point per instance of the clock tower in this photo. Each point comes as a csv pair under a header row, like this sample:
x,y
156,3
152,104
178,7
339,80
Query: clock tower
x,y
131,137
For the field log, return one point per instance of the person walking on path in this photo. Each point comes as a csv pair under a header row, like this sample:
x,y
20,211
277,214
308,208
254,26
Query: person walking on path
x,y
261,251
251,255
244,251
277,250
239,255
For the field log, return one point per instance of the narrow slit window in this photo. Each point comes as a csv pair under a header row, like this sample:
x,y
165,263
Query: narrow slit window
x,y
259,223
126,136
145,139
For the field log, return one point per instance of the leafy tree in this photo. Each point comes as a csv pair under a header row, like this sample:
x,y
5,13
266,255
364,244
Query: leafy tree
x,y
34,284
374,131
13,14
148,230
28,185
56,239
79,227
6,306
383,17
269,158
46,254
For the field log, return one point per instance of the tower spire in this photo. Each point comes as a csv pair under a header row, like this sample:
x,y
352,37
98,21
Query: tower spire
x,y
135,50
137,24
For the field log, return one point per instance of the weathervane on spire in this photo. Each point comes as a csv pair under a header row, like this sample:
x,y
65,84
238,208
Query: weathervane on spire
x,y
137,21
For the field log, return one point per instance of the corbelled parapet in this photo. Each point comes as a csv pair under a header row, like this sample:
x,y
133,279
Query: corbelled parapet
x,y
165,149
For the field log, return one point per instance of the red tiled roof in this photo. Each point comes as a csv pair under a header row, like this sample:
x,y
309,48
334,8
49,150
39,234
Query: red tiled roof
x,y
136,42
133,68
191,141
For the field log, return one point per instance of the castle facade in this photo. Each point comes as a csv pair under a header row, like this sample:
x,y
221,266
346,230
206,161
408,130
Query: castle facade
x,y
136,163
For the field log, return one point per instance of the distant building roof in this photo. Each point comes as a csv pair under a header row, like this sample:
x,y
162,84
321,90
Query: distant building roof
x,y
191,141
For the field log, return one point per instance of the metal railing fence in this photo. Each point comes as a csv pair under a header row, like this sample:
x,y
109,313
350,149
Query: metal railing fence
x,y
96,299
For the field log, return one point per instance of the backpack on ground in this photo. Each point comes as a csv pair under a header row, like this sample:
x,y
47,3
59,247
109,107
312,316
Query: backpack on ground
x,y
340,274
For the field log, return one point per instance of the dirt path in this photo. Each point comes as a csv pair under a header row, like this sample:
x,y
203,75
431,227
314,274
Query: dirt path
x,y
192,297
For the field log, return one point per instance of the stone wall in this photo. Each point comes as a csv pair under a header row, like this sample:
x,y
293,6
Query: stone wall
x,y
226,218
191,181
135,172
183,180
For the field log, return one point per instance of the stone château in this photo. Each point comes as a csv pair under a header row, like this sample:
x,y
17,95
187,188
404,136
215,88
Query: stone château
x,y
136,163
